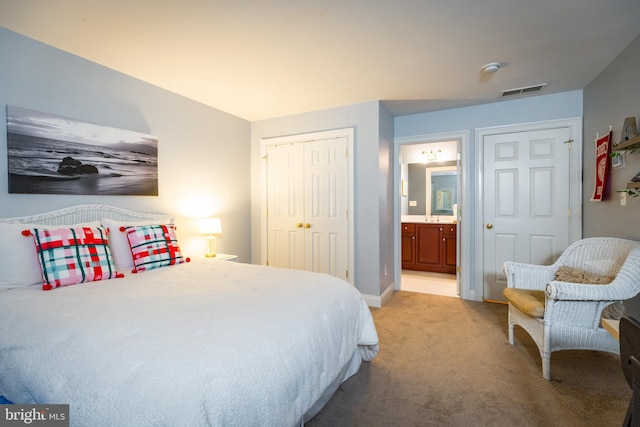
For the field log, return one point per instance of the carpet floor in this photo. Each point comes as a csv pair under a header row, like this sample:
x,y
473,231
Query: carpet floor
x,y
447,362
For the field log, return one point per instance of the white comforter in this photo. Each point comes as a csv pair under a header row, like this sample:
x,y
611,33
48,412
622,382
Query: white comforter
x,y
204,343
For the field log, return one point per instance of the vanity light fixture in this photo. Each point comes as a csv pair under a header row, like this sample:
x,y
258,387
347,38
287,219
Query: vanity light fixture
x,y
431,155
211,227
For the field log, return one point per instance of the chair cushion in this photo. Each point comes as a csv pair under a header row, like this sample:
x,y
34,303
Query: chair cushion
x,y
529,302
574,275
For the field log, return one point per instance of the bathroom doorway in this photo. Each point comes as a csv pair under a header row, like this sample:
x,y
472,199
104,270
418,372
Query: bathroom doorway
x,y
429,201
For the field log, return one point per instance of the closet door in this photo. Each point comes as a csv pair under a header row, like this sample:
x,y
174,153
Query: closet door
x,y
307,206
326,207
285,206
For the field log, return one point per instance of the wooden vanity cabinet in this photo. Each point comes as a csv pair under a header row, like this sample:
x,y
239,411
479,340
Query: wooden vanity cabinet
x,y
449,249
429,247
408,245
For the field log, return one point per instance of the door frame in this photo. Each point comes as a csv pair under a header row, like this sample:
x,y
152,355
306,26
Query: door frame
x,y
575,177
464,241
347,133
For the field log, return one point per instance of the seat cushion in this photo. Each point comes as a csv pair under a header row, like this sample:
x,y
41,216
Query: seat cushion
x,y
527,301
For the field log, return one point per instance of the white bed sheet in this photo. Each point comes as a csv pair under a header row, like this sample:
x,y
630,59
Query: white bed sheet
x,y
202,343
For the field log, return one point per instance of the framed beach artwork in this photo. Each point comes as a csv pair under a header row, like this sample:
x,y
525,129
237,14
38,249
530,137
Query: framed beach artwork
x,y
49,154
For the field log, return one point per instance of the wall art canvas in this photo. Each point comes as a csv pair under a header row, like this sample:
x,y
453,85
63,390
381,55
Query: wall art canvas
x,y
49,154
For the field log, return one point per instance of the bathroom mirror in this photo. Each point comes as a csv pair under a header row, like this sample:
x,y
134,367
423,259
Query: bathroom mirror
x,y
432,188
443,191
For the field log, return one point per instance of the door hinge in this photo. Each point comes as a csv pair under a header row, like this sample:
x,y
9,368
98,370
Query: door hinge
x,y
569,213
346,273
459,269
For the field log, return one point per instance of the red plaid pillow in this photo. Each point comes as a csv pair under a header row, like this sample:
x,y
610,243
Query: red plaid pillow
x,y
153,246
68,256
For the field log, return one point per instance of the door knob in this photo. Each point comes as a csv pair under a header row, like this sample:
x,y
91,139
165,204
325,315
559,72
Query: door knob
x,y
299,225
489,226
307,225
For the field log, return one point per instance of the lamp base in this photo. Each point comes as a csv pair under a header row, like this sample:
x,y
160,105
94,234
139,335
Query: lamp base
x,y
210,255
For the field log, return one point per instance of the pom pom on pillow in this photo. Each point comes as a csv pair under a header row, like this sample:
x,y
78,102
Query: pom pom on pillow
x,y
154,246
69,256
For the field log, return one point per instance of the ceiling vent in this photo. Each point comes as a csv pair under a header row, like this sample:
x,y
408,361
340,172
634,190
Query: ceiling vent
x,y
523,90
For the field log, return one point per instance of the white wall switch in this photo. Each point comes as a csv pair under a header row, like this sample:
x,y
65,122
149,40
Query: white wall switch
x,y
413,203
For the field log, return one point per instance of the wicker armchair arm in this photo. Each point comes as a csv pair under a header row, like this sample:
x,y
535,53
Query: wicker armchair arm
x,y
528,276
626,285
587,292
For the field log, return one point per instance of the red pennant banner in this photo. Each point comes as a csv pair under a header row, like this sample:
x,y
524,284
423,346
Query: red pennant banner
x,y
603,148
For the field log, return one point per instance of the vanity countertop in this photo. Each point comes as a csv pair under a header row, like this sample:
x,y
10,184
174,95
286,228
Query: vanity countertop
x,y
423,219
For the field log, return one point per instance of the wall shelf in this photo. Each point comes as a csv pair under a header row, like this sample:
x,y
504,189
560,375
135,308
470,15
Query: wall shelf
x,y
632,144
633,189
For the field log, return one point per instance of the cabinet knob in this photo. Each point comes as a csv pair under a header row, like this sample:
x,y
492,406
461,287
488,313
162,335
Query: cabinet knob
x,y
307,225
299,225
413,237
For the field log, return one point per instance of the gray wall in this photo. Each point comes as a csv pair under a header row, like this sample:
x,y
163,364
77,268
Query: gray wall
x,y
371,176
385,201
417,188
203,152
608,100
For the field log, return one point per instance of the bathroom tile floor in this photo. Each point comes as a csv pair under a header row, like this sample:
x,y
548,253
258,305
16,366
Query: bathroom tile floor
x,y
429,283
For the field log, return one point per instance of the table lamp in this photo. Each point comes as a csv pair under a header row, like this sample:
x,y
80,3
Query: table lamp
x,y
210,227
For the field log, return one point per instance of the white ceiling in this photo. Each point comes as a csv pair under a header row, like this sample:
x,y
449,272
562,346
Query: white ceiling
x,y
260,59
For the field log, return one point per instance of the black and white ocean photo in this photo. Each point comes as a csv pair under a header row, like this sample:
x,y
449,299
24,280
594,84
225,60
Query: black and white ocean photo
x,y
50,154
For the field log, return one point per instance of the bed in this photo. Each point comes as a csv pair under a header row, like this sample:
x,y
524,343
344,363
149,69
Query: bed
x,y
194,343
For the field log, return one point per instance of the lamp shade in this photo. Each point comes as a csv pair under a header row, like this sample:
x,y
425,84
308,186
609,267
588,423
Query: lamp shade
x,y
210,226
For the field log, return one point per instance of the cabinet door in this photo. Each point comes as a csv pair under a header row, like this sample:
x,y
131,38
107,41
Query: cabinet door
x,y
428,248
449,248
408,246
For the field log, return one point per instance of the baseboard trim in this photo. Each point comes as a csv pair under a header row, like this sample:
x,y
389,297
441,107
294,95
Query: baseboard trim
x,y
380,301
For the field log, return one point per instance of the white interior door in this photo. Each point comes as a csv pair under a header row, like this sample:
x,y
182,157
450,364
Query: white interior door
x,y
526,209
326,207
308,205
285,206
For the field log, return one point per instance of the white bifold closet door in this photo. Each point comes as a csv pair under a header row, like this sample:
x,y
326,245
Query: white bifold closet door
x,y
307,206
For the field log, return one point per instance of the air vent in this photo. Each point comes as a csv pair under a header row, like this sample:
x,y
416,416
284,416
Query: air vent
x,y
523,90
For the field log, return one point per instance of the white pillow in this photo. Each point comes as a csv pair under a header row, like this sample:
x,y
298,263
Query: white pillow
x,y
118,242
18,259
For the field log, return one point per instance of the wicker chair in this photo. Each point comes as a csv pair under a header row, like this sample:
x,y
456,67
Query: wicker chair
x,y
568,316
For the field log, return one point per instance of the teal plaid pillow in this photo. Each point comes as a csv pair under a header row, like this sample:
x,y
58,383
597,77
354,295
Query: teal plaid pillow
x,y
68,256
153,246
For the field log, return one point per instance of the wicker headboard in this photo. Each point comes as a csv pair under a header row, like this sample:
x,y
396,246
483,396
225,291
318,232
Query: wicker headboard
x,y
85,213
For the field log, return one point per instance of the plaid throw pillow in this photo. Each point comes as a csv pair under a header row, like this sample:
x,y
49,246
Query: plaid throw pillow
x,y
68,256
153,246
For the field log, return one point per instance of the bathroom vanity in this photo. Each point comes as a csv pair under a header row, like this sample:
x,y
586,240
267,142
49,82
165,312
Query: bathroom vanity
x,y
429,246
